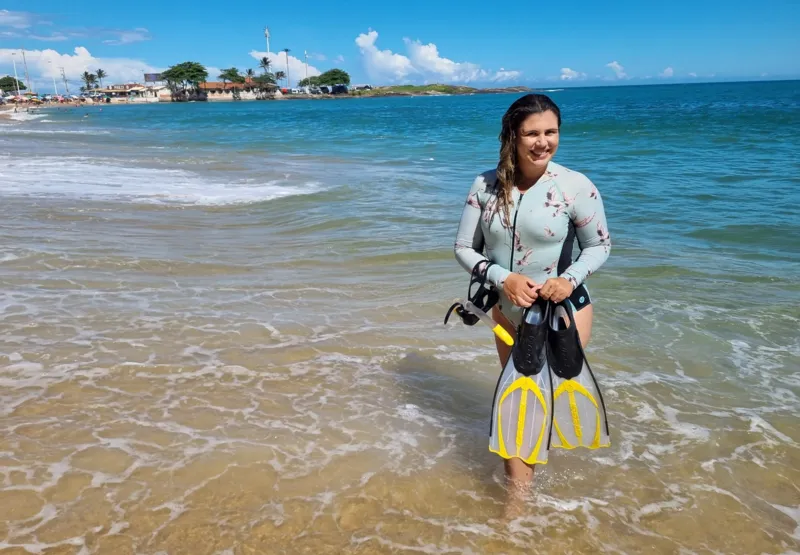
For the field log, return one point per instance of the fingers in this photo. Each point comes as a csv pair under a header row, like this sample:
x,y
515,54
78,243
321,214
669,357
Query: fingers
x,y
523,299
553,290
547,289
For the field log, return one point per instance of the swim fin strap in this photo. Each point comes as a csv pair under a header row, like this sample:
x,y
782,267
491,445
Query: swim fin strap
x,y
547,385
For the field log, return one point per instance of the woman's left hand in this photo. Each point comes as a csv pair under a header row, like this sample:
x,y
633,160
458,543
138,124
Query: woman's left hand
x,y
556,289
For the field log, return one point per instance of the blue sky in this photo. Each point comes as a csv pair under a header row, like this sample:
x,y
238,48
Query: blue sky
x,y
583,42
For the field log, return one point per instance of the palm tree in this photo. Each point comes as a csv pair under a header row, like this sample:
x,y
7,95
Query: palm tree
x,y
249,74
264,64
286,50
100,75
279,75
89,79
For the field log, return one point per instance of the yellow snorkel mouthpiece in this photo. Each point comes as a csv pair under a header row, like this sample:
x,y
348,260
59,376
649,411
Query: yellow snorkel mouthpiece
x,y
498,330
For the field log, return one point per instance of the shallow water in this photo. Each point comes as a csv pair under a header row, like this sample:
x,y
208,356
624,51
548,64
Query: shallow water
x,y
222,329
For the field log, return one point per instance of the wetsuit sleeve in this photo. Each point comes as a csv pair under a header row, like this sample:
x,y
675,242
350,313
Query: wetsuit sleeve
x,y
588,216
469,238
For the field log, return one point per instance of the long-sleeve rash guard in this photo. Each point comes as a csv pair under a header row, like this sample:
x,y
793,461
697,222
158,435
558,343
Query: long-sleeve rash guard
x,y
542,219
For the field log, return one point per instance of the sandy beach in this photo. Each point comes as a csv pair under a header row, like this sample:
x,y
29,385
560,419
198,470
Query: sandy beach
x,y
221,330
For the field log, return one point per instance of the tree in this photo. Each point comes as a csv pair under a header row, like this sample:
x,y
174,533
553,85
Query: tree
x,y
280,75
330,77
250,74
89,80
183,76
9,84
264,64
266,79
265,84
232,74
100,75
335,77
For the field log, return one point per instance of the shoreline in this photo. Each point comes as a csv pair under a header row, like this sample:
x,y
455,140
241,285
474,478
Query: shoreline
x,y
378,92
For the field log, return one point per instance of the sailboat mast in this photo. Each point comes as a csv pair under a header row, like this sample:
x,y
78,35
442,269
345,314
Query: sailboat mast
x,y
27,77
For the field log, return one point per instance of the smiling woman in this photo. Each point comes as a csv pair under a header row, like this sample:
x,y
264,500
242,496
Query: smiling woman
x,y
520,222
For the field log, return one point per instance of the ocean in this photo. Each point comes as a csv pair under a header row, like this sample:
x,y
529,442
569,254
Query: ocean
x,y
221,328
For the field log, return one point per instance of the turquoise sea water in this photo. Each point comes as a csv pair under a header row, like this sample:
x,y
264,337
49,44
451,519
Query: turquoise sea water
x,y
264,284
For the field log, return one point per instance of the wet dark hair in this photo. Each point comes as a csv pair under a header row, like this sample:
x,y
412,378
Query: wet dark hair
x,y
507,165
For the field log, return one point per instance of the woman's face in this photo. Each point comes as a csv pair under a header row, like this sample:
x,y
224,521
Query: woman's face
x,y
537,141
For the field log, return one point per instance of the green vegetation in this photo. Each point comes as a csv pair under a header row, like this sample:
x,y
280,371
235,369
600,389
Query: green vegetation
x,y
331,77
90,80
100,76
433,89
231,74
403,90
185,77
9,84
264,80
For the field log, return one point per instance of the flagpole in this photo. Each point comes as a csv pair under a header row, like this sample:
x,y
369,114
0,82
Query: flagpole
x,y
27,77
16,79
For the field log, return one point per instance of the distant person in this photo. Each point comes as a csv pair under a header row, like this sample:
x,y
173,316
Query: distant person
x,y
518,223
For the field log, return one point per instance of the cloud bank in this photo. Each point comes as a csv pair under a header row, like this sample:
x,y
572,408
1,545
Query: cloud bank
x,y
568,74
44,65
423,63
618,70
297,67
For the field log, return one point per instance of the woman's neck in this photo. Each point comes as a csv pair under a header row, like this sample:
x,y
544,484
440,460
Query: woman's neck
x,y
528,179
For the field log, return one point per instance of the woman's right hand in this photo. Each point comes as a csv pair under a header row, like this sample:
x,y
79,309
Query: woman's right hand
x,y
520,290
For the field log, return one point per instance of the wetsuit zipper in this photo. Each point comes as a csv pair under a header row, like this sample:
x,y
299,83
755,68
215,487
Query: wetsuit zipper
x,y
514,233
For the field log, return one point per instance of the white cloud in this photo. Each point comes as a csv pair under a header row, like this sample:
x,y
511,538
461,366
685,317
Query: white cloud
x,y
15,20
423,60
506,75
568,74
55,37
383,63
617,69
297,67
426,59
28,26
339,59
44,65
668,72
129,37
692,74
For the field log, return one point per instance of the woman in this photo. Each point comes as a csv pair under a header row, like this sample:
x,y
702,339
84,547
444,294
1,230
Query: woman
x,y
523,216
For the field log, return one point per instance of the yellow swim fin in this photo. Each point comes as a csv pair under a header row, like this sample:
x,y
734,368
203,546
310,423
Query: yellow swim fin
x,y
522,412
579,413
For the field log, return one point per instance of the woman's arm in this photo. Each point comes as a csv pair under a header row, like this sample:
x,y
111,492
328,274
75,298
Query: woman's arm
x,y
588,216
469,238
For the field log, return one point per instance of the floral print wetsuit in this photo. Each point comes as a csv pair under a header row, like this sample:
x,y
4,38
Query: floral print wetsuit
x,y
541,234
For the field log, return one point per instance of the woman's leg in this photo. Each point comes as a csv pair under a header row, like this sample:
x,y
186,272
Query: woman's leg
x,y
518,473
583,321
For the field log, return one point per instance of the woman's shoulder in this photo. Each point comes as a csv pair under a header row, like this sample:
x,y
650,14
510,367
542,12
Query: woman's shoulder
x,y
569,178
485,182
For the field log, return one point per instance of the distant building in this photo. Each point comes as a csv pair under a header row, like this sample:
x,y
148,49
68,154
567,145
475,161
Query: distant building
x,y
249,90
132,93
